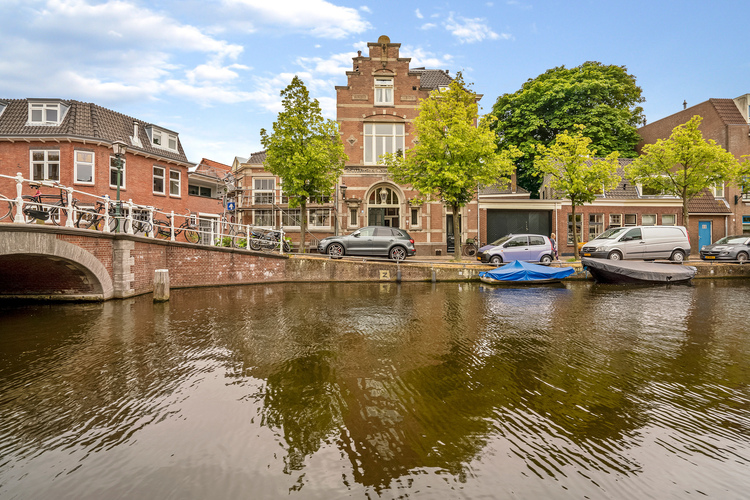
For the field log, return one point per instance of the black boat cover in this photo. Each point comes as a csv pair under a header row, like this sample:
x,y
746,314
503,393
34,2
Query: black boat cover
x,y
619,271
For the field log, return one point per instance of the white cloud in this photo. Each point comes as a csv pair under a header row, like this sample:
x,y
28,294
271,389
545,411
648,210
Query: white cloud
x,y
214,72
471,30
316,17
337,64
428,26
365,8
418,14
421,57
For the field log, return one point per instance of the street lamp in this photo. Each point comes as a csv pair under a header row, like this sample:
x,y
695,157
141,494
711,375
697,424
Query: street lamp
x,y
342,188
120,148
383,196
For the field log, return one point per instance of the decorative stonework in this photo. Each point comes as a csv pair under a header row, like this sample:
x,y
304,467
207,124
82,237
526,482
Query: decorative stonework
x,y
352,140
359,97
408,98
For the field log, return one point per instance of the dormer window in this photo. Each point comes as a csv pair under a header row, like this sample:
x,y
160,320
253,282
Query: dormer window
x,y
163,139
384,91
45,113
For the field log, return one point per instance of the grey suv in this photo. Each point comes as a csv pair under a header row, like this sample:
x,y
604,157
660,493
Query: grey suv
x,y
371,240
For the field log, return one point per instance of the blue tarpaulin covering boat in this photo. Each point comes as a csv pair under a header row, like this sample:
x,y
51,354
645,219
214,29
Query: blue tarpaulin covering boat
x,y
525,273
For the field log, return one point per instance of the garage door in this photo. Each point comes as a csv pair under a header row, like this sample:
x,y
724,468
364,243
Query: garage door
x,y
502,222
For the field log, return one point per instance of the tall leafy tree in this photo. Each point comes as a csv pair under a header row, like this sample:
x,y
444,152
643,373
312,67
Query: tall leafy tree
x,y
602,97
304,150
683,165
574,173
455,151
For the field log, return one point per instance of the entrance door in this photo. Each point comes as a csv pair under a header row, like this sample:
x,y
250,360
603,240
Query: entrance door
x,y
382,217
449,237
704,233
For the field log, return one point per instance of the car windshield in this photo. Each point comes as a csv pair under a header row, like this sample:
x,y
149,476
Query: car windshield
x,y
732,240
501,240
611,234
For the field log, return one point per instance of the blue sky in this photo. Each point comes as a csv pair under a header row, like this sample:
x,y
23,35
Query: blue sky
x,y
212,70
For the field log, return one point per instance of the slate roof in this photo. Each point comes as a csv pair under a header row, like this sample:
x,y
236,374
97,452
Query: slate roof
x,y
433,78
705,203
495,190
728,112
83,120
257,158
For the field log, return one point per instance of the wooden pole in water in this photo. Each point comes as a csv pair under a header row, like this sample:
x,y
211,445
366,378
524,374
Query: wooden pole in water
x,y
161,285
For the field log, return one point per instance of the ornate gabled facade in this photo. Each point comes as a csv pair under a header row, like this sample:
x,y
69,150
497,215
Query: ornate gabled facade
x,y
375,111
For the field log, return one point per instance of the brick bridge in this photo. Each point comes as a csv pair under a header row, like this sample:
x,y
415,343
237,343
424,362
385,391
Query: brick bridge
x,y
58,263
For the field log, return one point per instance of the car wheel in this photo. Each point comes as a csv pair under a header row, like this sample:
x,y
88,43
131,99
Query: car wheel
x,y
496,259
397,253
546,259
335,250
742,257
615,255
677,256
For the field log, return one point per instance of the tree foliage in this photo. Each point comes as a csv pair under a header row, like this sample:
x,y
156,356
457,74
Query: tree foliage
x,y
683,165
304,149
454,154
604,98
574,173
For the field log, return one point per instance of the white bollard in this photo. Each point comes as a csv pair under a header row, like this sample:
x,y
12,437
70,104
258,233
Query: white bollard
x,y
19,199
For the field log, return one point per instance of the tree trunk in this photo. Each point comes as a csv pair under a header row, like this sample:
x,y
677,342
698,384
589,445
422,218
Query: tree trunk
x,y
575,232
456,233
303,225
685,213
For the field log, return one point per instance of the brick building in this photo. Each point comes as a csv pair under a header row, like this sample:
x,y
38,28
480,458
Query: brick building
x,y
724,209
70,142
375,111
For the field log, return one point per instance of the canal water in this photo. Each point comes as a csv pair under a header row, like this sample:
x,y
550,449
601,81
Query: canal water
x,y
418,390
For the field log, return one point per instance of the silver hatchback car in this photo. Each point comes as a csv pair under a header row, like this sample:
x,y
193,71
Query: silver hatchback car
x,y
371,240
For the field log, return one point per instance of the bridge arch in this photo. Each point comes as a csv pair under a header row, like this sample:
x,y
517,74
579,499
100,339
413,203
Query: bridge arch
x,y
38,264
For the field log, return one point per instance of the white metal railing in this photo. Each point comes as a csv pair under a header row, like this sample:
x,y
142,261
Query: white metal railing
x,y
100,213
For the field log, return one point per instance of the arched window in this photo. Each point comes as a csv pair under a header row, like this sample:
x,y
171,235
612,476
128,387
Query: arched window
x,y
383,196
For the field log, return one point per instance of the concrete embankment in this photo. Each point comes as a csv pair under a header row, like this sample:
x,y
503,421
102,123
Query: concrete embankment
x,y
320,268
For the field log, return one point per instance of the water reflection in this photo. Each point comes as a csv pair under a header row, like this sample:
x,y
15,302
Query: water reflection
x,y
411,390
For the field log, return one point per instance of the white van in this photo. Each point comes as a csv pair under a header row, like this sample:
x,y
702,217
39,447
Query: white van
x,y
640,242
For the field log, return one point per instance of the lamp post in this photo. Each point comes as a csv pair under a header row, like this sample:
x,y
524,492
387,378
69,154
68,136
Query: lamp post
x,y
120,148
342,188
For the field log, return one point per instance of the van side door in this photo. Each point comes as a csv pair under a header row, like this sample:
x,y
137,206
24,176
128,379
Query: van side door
x,y
632,244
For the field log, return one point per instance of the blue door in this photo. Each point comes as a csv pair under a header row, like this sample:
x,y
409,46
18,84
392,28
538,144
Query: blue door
x,y
704,233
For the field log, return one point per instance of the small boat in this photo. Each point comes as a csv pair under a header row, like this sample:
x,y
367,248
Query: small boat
x,y
524,273
618,271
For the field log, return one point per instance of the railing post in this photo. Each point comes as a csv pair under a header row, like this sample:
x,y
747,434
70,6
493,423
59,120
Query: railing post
x,y
171,227
151,233
71,210
130,216
106,214
19,199
281,241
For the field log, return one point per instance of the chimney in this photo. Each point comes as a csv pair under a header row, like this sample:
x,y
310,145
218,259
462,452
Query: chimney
x,y
684,104
359,53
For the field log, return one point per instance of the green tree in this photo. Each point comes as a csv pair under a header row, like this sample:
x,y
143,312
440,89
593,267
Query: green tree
x,y
304,150
683,165
574,173
604,98
454,154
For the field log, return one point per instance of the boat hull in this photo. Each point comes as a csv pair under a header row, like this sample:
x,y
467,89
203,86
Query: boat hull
x,y
619,272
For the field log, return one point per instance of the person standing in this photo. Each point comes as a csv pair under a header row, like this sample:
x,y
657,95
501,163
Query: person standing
x,y
554,244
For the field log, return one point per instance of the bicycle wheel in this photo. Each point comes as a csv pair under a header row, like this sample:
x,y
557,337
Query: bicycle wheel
x,y
239,240
470,250
114,224
6,209
87,219
58,215
191,235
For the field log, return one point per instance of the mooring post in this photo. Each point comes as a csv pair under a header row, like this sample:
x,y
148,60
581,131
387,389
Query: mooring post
x,y
161,285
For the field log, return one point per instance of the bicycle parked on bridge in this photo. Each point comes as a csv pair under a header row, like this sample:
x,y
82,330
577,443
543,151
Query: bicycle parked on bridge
x,y
43,207
189,229
93,218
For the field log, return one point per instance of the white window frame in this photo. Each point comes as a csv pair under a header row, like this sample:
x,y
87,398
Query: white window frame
x,y
613,217
46,162
44,108
262,189
291,217
78,162
718,190
625,222
163,139
175,182
317,215
643,219
161,177
383,91
665,223
378,138
113,172
597,223
262,217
